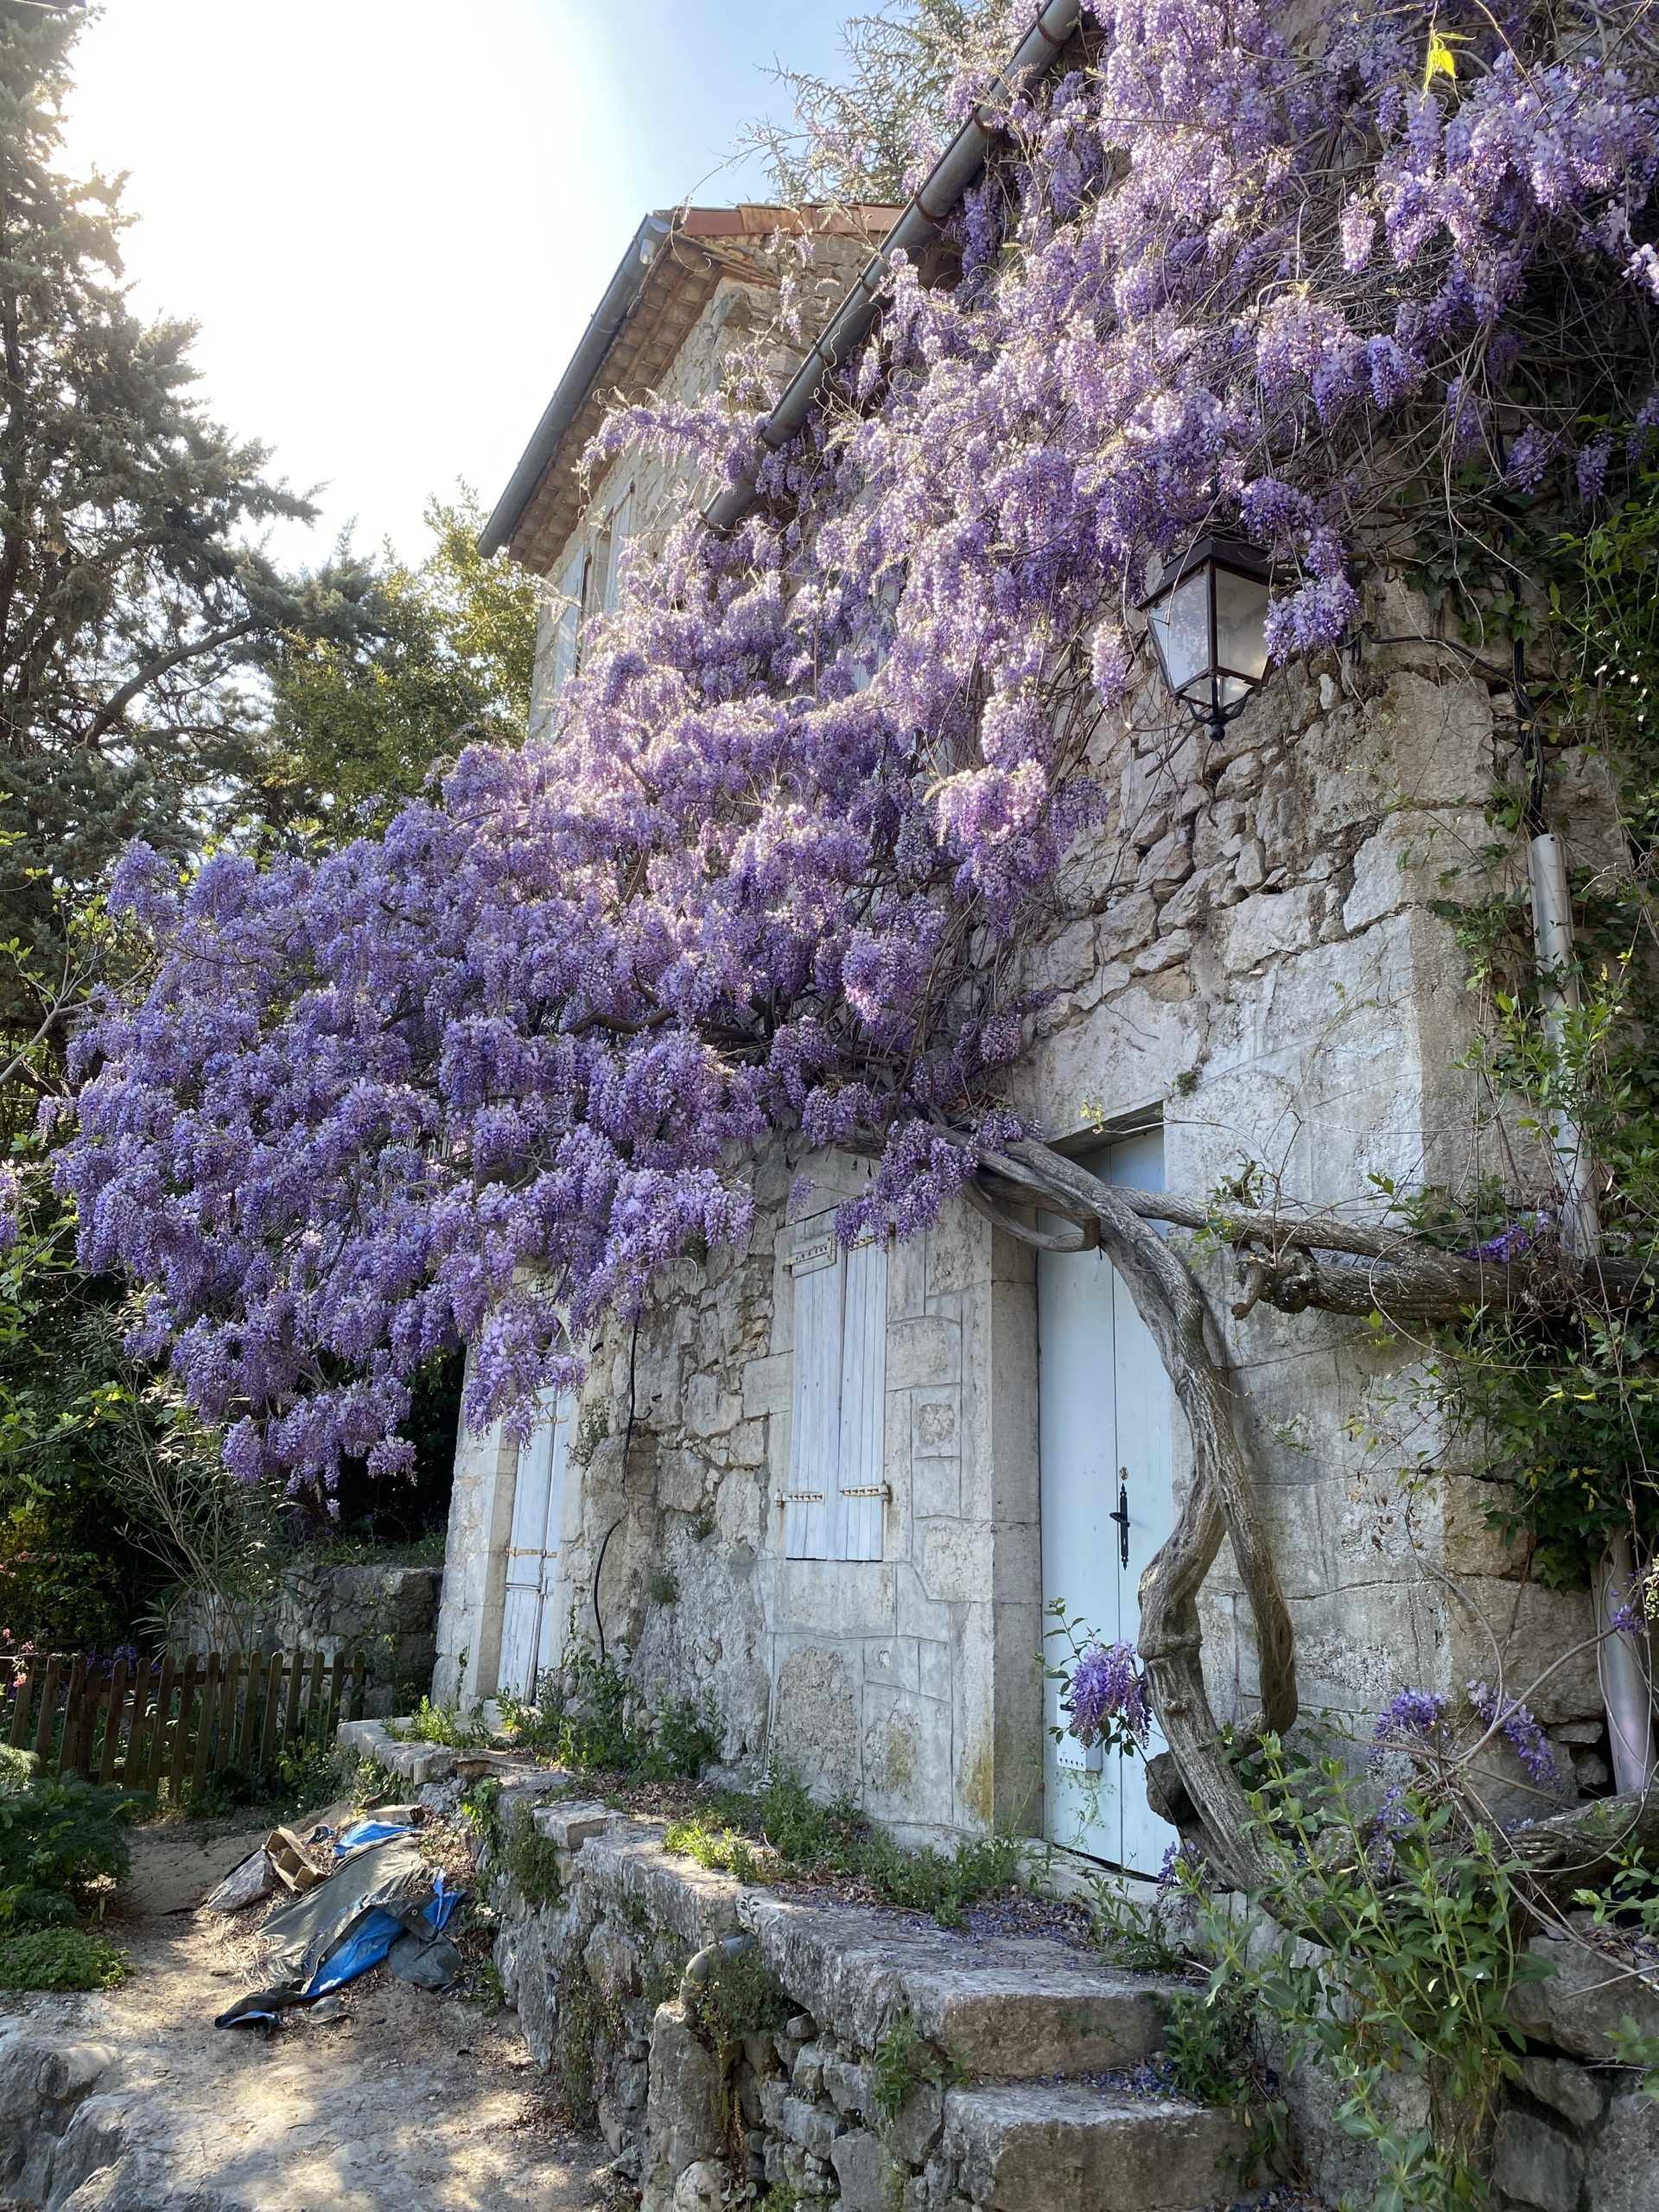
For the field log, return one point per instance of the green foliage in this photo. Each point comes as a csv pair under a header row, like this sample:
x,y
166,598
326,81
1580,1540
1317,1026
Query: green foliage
x,y
1633,2047
58,1835
440,1724
588,2025
481,1807
588,1718
531,1862
60,1958
1626,1898
740,1996
1395,1954
797,1835
1560,1399
372,1781
444,659
1138,1937
663,1586
902,2059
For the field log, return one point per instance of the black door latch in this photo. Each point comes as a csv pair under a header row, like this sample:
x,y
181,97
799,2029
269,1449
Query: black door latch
x,y
1121,1517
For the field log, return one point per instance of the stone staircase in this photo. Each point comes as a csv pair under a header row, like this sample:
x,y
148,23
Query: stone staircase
x,y
1046,2113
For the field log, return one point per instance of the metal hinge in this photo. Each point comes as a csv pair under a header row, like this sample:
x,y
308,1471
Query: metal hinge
x,y
868,1489
802,1497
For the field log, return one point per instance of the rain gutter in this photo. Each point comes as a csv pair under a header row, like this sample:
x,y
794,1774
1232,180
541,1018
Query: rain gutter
x,y
574,384
918,227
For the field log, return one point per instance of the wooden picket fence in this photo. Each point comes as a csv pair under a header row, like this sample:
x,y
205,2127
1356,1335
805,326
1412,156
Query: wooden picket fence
x,y
168,1724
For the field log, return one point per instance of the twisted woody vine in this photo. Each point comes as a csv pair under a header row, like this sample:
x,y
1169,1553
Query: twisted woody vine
x,y
1383,299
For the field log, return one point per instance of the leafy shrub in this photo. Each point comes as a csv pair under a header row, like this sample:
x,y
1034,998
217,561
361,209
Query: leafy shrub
x,y
60,1958
586,1718
54,1593
440,1724
1398,1950
57,1835
740,1997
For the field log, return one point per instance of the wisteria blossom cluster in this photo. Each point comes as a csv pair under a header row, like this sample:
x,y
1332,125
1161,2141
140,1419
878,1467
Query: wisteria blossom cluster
x,y
1105,1701
478,1079
1419,1719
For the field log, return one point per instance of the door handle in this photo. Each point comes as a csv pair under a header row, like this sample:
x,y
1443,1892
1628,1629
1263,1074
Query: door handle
x,y
1121,1517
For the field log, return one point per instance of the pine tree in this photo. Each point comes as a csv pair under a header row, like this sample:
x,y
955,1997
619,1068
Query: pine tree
x,y
134,611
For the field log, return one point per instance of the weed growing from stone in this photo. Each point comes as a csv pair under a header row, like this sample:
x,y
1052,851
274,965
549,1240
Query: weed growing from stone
x,y
740,1997
531,1862
800,1837
901,2061
589,2024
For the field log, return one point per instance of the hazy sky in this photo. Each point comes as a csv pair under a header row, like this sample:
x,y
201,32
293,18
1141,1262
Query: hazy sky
x,y
392,217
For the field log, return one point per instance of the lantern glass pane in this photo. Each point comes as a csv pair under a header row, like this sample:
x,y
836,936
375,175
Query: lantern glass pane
x,y
1241,625
1180,629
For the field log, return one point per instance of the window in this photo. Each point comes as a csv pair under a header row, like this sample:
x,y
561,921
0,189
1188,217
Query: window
x,y
588,584
837,1436
567,620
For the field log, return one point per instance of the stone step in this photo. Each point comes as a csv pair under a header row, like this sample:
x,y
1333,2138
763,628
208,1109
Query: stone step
x,y
1004,2007
1064,2146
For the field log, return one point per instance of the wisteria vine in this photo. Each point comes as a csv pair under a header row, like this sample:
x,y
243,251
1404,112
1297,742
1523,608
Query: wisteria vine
x,y
479,1078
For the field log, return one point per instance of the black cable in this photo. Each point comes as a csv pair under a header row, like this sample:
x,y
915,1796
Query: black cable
x,y
627,1440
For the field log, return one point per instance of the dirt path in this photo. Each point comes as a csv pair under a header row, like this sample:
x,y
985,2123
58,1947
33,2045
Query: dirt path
x,y
132,2101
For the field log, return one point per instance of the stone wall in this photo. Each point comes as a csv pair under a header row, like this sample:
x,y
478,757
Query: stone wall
x,y
866,2059
387,1613
1246,950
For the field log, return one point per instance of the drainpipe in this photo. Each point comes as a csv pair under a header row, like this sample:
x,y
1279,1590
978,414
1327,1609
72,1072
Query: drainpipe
x,y
919,224
1627,1689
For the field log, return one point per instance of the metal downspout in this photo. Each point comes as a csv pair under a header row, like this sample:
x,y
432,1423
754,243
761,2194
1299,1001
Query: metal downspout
x,y
1626,1686
919,224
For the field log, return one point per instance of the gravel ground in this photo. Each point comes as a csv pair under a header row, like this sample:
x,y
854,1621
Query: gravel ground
x,y
405,2101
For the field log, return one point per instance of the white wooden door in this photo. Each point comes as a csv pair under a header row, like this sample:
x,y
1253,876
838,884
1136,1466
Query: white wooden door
x,y
529,1628
1105,1451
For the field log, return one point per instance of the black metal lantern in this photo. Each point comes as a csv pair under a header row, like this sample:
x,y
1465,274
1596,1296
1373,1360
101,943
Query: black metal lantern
x,y
1208,620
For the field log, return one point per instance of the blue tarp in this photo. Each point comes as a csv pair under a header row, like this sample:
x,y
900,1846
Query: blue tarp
x,y
372,1938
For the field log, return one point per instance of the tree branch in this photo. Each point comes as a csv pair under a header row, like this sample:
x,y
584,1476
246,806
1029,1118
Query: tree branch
x,y
1221,1496
116,704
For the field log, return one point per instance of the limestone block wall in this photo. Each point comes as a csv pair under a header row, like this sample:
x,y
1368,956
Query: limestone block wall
x,y
1247,948
386,1612
909,1683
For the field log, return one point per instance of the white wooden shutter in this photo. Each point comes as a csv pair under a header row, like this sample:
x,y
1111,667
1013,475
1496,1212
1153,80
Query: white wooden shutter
x,y
621,529
528,1640
555,1441
862,1461
567,627
837,1445
815,1401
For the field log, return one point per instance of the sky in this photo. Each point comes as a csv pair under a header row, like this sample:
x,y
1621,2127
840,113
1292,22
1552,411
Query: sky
x,y
391,218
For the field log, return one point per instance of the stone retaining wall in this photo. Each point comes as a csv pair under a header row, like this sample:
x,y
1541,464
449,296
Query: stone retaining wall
x,y
386,1612
1011,2082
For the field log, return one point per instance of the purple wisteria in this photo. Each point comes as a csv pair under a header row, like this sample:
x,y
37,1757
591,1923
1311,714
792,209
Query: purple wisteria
x,y
1106,1698
1525,1736
480,1079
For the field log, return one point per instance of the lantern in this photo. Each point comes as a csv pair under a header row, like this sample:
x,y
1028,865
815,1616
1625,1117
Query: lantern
x,y
1208,620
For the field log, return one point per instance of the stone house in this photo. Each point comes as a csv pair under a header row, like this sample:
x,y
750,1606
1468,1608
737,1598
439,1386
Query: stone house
x,y
838,1490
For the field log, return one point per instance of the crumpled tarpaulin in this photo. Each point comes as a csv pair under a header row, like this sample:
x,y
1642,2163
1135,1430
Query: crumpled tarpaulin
x,y
384,1891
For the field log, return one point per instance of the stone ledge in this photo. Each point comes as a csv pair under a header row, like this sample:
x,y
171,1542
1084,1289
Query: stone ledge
x,y
1010,2007
1068,2148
